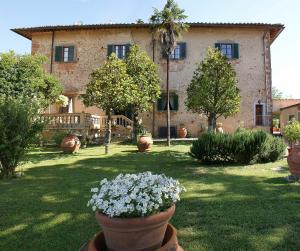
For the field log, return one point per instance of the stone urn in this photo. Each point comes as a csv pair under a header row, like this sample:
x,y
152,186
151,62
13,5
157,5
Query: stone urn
x,y
70,144
182,132
293,160
144,143
135,234
219,128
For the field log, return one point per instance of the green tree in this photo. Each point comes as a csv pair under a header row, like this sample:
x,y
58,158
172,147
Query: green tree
x,y
110,88
168,24
24,75
146,80
213,90
19,125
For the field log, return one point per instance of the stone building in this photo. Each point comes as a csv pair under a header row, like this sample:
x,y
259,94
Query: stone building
x,y
73,51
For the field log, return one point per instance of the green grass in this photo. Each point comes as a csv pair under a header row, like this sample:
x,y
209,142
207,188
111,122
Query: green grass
x,y
225,208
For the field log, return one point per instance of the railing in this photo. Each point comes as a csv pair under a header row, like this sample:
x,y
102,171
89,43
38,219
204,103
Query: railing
x,y
257,121
71,121
117,120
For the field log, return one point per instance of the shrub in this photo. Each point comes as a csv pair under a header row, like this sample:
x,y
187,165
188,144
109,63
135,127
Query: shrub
x,y
19,126
292,131
58,136
243,146
213,148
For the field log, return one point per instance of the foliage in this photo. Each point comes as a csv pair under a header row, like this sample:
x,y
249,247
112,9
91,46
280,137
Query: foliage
x,y
145,78
243,146
19,125
58,136
62,100
110,88
292,131
168,24
213,90
24,75
278,94
135,195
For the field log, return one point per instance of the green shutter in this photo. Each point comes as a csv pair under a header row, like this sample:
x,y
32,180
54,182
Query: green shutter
x,y
182,50
236,53
127,49
71,55
160,104
58,53
110,49
218,46
176,102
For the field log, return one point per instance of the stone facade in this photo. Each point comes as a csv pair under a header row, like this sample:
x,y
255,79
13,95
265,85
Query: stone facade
x,y
288,113
253,68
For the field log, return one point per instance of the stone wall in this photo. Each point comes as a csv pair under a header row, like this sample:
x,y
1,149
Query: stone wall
x,y
253,68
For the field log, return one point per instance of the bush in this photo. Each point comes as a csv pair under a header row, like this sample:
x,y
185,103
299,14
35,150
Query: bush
x,y
19,126
243,146
58,136
292,131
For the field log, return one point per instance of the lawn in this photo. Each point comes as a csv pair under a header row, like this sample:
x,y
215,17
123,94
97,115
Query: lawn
x,y
225,208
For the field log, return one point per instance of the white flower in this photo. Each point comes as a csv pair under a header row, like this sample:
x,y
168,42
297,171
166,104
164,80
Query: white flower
x,y
131,195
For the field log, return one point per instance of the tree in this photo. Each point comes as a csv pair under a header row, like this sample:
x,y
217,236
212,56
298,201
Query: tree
x,y
168,24
213,90
110,88
278,94
24,75
146,80
19,125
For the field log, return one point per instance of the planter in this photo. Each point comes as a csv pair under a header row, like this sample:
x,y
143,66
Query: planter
x,y
135,234
293,160
182,132
144,143
170,242
70,144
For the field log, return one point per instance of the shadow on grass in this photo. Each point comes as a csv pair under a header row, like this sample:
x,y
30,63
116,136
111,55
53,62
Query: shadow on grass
x,y
220,211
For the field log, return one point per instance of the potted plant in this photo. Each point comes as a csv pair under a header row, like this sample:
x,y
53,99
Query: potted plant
x,y
182,132
144,141
134,209
70,143
292,134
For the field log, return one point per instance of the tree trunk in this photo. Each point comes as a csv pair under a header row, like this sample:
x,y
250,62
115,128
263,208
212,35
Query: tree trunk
x,y
212,122
136,126
108,131
168,104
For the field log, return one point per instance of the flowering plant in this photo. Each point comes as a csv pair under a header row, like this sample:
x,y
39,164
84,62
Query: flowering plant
x,y
135,195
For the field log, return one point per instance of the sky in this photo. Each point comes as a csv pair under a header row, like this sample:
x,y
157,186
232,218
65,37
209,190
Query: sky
x,y
285,51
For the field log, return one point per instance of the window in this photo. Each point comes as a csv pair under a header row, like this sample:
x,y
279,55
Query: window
x,y
179,52
120,50
291,117
64,53
259,118
162,102
230,50
68,108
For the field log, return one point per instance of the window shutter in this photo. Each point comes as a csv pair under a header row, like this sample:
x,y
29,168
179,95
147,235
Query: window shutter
x,y
236,51
160,104
58,53
218,46
182,50
110,49
71,54
176,102
127,49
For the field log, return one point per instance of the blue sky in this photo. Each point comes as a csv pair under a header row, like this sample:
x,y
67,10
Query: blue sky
x,y
285,50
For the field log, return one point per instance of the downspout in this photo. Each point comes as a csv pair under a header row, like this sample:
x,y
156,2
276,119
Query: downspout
x,y
267,77
52,48
153,106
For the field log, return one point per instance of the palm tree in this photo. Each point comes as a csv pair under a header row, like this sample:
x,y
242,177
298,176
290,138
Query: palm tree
x,y
168,24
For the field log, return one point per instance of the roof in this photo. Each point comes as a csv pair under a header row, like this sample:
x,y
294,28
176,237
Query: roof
x,y
281,103
275,29
283,108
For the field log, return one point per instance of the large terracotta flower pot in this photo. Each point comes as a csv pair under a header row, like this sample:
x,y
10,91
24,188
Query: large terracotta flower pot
x,y
182,132
135,234
170,242
70,144
293,160
144,143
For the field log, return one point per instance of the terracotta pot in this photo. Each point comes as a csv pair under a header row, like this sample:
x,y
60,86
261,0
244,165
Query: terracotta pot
x,y
182,132
135,234
144,143
293,160
70,144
